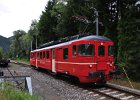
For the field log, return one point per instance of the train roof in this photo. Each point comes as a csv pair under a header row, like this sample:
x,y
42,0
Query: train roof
x,y
94,37
53,44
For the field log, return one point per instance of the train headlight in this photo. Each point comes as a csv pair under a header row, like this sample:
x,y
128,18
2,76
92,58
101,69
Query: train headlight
x,y
111,65
90,66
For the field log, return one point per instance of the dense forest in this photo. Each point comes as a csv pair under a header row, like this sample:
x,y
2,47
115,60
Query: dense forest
x,y
118,19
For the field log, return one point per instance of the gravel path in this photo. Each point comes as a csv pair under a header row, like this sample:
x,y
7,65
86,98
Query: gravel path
x,y
48,87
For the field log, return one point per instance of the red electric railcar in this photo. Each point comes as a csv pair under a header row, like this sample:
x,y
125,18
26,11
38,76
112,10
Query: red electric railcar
x,y
88,58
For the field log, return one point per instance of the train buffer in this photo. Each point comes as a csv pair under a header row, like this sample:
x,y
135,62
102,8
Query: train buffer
x,y
18,82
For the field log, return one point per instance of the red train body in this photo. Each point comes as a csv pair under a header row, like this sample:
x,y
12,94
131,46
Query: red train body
x,y
89,58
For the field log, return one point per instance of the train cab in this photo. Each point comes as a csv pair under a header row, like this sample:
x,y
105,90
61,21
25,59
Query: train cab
x,y
95,57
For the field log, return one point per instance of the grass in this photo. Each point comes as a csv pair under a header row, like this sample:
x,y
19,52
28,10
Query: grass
x,y
23,60
15,95
9,93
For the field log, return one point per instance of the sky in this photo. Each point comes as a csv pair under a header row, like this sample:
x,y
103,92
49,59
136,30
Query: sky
x,y
18,14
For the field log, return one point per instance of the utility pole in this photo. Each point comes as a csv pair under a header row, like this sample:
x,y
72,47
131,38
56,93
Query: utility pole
x,y
36,53
31,45
97,22
36,42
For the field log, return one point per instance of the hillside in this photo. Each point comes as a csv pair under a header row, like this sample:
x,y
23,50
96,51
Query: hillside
x,y
4,43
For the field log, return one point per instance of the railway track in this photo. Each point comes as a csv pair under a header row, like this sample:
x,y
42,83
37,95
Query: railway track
x,y
108,91
15,80
117,93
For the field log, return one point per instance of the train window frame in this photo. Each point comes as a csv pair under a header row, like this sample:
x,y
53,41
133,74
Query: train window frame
x,y
40,55
32,55
65,53
86,51
47,55
53,53
101,51
74,50
110,50
43,54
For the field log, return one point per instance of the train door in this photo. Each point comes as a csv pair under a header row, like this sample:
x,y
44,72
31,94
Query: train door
x,y
101,58
53,61
36,59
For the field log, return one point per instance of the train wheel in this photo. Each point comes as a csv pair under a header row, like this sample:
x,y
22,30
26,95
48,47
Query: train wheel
x,y
74,79
102,83
34,67
37,68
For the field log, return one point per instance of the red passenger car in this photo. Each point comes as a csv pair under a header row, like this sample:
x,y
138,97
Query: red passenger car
x,y
88,58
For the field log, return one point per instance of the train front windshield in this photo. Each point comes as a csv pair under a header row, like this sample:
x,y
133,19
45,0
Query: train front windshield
x,y
110,50
86,50
101,50
89,50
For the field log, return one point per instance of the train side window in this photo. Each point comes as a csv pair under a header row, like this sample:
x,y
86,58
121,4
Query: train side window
x,y
101,50
43,54
37,55
47,54
32,55
110,50
65,53
74,51
40,55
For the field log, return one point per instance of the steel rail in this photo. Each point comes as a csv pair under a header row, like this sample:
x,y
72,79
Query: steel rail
x,y
124,89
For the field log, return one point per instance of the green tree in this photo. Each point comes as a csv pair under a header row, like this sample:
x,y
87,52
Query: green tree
x,y
33,34
129,38
47,23
16,46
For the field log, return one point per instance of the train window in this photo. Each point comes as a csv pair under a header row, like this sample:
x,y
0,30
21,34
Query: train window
x,y
32,55
110,50
74,50
53,54
43,54
65,53
86,50
101,51
40,55
47,54
37,55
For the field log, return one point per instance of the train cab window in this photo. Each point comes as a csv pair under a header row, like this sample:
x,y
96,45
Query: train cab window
x,y
110,50
47,54
65,53
74,50
40,55
86,50
101,50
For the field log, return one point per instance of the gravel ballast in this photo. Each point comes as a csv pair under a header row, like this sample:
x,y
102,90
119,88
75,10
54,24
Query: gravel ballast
x,y
48,87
